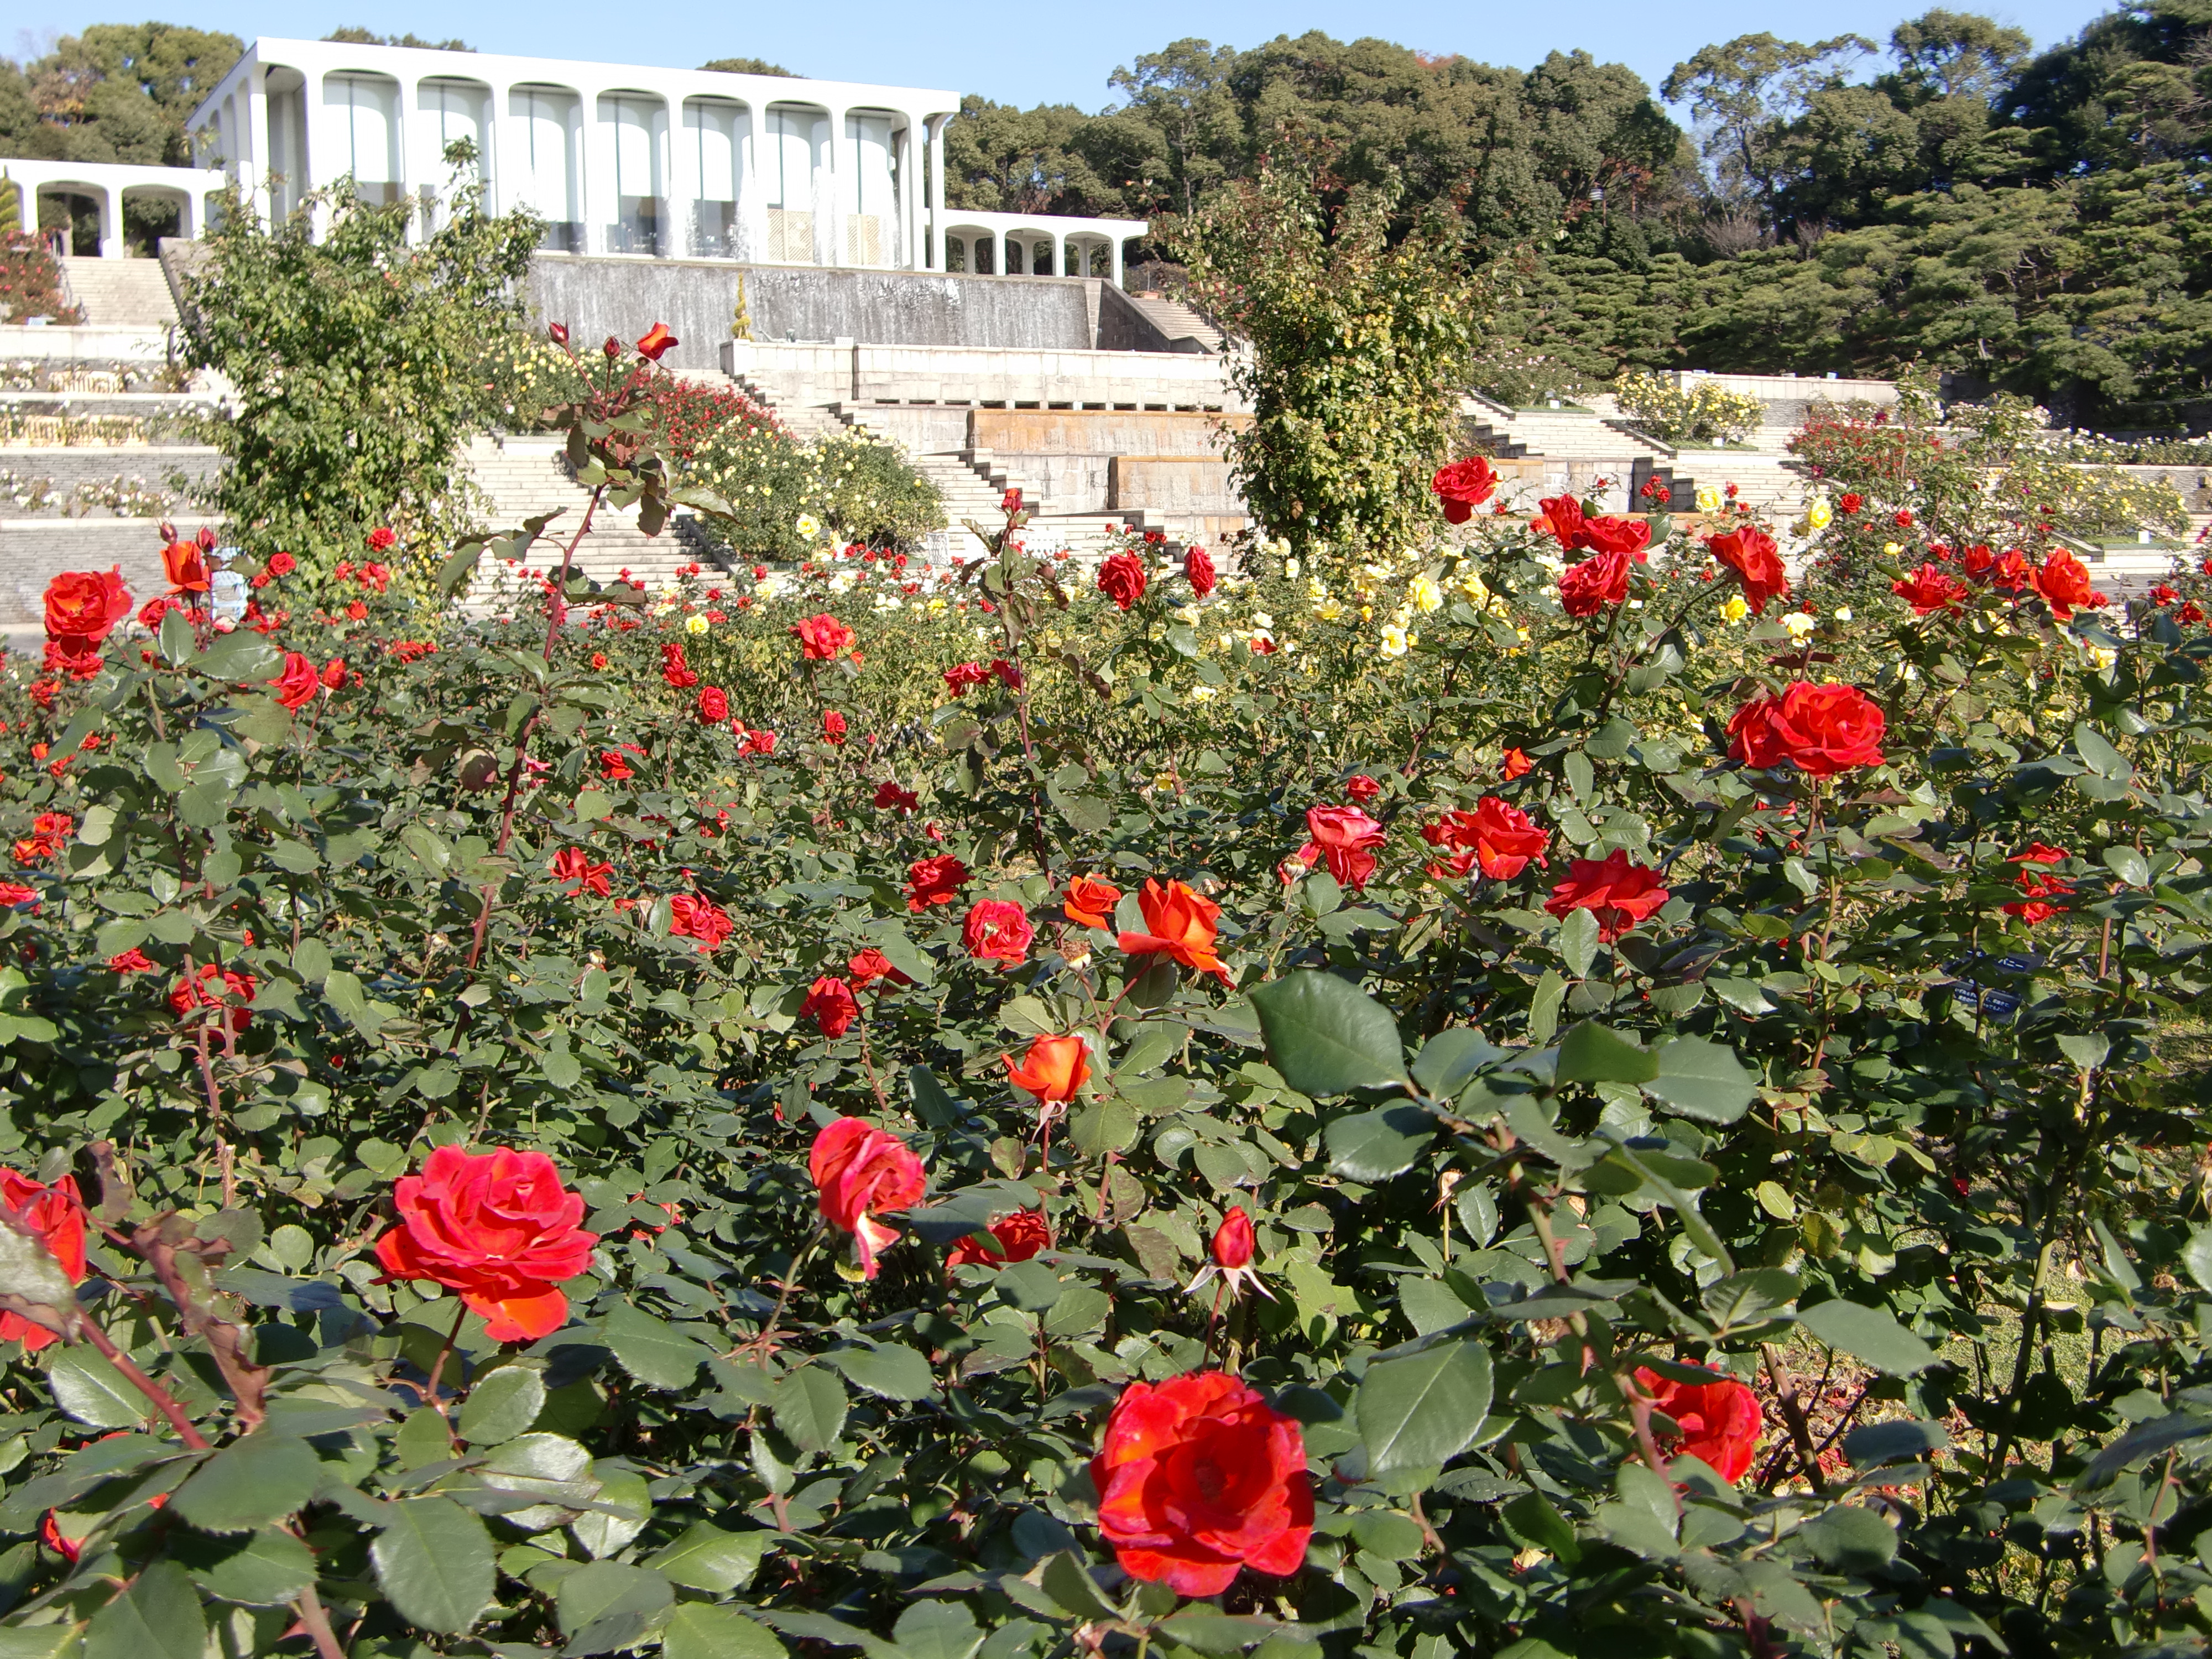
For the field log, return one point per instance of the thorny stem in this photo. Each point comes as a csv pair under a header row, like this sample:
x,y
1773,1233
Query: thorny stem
x,y
438,1365
868,1064
309,1606
1793,1413
166,1402
765,1341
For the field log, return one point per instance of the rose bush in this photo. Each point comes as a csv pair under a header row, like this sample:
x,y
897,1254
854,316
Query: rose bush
x,y
521,1165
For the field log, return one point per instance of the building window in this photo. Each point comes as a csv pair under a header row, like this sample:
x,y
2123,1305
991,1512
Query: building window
x,y
715,134
542,174
364,112
792,150
871,227
636,227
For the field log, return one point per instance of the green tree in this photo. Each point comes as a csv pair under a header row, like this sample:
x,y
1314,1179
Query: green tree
x,y
1355,350
745,66
355,356
1743,93
118,92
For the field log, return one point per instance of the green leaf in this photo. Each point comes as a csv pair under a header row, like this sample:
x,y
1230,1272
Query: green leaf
x,y
891,1370
504,1404
2143,1440
27,1269
937,1630
1419,1413
1544,1005
2100,757
242,656
1701,1079
1373,1146
175,638
459,567
1326,1036
263,1568
622,1489
2197,1256
810,1409
2087,1052
706,1556
1215,1632
606,1592
249,1483
57,1641
93,1391
696,1631
1578,942
433,1561
2131,868
1848,1539
1450,1059
1589,1053
1873,1443
1867,1334
159,1617
650,1350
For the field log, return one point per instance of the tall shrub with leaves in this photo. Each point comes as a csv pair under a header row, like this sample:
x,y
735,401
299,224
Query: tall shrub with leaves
x,y
1350,348
353,346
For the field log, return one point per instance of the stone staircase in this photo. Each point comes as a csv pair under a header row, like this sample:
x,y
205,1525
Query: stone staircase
x,y
1567,435
525,475
121,293
1183,328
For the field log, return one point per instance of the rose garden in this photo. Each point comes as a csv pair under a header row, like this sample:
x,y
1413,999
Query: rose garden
x,y
1496,1076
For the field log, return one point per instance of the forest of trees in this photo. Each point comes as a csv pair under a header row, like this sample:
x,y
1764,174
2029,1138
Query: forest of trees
x,y
2033,222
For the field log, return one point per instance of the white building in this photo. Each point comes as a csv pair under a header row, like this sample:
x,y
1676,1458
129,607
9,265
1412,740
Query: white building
x,y
186,194
622,159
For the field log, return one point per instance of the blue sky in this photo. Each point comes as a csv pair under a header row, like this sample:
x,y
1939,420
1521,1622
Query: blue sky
x,y
1019,52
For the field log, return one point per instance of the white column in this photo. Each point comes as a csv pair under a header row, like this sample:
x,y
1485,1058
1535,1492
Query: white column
x,y
844,181
1117,261
595,179
909,180
937,192
255,163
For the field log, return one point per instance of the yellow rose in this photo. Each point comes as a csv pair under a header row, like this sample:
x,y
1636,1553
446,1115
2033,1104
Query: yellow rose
x,y
1734,608
1820,513
1424,592
696,623
1394,640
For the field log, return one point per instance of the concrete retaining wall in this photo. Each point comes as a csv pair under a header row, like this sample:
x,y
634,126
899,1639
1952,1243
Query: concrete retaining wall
x,y
1170,484
849,372
1100,432
90,345
80,464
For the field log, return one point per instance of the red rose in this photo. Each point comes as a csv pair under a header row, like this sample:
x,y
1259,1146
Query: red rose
x,y
1561,519
1052,1069
1090,901
934,881
1612,535
1823,729
74,654
281,564
1463,486
297,685
133,961
1618,892
1198,1477
334,673
86,605
1361,788
1717,1423
613,767
1198,570
1341,836
1904,518
1977,559
1178,925
1016,1238
890,797
1928,590
823,638
860,1172
186,567
759,743
1122,579
1597,582
1233,1240
1517,764
831,1006
2036,852
1751,553
1851,503
2012,572
713,705
869,966
961,675
497,1227
573,865
694,918
997,931
56,1215
1504,838
2033,909
379,538
657,340
2063,582
1006,673
833,727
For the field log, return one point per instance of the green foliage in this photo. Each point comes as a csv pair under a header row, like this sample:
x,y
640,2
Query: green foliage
x,y
852,486
356,355
1355,349
118,92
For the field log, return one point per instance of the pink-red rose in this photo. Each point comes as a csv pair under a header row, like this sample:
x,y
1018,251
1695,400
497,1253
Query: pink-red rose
x,y
1463,486
1823,729
1615,889
498,1229
997,931
861,1172
1122,579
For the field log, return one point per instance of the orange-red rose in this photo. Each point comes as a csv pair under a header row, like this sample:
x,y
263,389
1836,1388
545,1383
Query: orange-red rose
x,y
56,1215
1462,487
1198,1477
997,931
831,1006
657,340
1341,837
1122,579
1560,517
2064,581
1016,1238
1718,1422
1751,553
1053,1068
1178,925
1597,583
1090,901
1616,889
497,1228
1198,571
860,1173
186,567
299,682
1627,537
86,605
1823,729
1928,590
934,881
823,638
